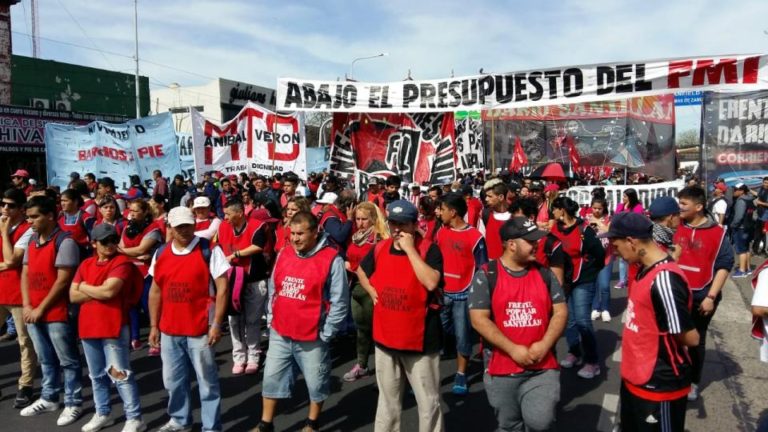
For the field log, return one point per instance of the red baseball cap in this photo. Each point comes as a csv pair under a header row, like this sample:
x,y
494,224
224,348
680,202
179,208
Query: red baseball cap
x,y
21,173
722,187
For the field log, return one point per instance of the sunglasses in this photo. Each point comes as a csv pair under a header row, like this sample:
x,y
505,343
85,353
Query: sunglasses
x,y
9,205
111,240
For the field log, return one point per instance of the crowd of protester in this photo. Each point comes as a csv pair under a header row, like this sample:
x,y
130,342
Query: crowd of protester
x,y
414,269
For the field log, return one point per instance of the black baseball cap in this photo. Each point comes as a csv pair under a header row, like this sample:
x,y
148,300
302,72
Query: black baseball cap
x,y
103,231
521,227
629,224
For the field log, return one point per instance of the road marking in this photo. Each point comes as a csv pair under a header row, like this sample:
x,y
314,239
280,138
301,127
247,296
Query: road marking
x,y
616,357
608,415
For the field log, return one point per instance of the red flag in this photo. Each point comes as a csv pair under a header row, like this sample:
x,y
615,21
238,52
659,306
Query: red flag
x,y
519,160
573,153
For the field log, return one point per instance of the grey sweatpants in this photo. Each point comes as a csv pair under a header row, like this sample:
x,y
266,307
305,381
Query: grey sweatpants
x,y
524,403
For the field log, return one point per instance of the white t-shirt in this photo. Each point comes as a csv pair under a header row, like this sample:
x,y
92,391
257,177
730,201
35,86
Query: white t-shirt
x,y
720,207
23,241
217,267
760,298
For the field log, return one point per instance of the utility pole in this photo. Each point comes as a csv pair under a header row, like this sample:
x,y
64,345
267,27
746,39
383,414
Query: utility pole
x,y
136,54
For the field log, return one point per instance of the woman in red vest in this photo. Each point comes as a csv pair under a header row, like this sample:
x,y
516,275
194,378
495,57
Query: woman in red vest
x,y
103,286
139,240
206,222
629,203
587,256
160,214
283,230
428,221
370,228
108,209
599,219
75,221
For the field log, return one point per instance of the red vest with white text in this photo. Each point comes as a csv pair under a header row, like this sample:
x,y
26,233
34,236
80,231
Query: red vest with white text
x,y
42,274
298,302
103,319
10,280
185,292
400,313
699,247
640,339
457,247
521,309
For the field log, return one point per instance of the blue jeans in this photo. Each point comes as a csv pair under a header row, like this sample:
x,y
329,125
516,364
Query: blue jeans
x,y
144,305
177,354
313,360
10,325
741,238
579,332
455,318
103,355
56,349
623,268
602,301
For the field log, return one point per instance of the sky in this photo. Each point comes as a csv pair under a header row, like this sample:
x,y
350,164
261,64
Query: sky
x,y
191,42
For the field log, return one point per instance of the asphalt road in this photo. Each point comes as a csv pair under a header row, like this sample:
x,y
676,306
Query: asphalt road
x,y
586,405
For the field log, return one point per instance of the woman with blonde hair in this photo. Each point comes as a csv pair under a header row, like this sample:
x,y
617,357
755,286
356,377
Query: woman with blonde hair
x,y
370,228
283,231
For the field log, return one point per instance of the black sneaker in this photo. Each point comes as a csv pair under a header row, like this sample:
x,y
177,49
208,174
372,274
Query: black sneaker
x,y
23,398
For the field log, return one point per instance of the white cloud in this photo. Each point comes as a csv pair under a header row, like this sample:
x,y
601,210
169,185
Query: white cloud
x,y
260,41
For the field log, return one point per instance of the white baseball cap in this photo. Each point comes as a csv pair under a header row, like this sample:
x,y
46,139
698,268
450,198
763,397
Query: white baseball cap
x,y
201,201
328,198
180,216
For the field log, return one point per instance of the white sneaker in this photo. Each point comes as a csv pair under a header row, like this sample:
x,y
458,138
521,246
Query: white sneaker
x,y
134,425
595,314
605,316
694,393
97,422
69,415
570,361
172,426
589,371
38,407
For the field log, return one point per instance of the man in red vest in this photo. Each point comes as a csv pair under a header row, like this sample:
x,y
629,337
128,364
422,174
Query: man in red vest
x,y
308,303
15,234
189,287
519,309
50,262
290,182
403,276
243,241
493,217
706,259
655,366
463,249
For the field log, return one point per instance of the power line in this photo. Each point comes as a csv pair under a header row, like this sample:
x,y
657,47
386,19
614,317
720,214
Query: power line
x,y
144,60
84,33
